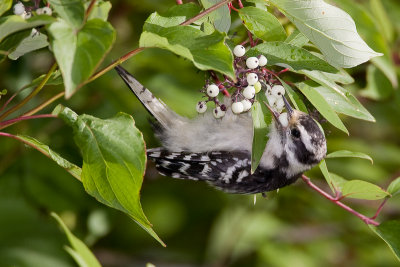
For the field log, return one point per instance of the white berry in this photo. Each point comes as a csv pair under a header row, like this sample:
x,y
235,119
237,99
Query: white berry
x,y
218,113
39,11
283,119
252,62
26,15
249,92
268,90
239,50
237,107
252,78
201,107
262,61
212,90
278,90
246,104
271,100
19,8
279,104
47,11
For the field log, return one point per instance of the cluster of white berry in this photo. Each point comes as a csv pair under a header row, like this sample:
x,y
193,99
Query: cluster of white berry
x,y
251,78
25,13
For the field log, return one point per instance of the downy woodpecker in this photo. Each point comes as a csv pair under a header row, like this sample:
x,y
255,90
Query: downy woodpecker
x,y
218,151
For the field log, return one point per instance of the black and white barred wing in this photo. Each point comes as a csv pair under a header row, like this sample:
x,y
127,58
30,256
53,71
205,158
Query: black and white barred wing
x,y
226,170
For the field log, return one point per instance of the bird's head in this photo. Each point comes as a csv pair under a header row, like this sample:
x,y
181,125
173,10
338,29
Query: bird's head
x,y
302,138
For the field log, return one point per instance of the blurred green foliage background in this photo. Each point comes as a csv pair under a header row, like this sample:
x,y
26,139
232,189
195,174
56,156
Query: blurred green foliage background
x,y
201,226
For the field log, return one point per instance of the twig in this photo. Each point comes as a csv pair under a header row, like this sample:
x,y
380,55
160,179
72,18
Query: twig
x,y
44,104
379,209
179,2
89,9
31,95
22,118
205,12
364,218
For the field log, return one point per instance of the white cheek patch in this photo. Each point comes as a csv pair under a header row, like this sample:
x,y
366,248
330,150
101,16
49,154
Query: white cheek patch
x,y
306,139
295,167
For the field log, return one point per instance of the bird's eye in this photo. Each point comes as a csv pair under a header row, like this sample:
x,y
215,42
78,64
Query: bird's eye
x,y
295,133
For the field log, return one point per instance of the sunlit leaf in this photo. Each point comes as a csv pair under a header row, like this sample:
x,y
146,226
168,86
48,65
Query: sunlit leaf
x,y
79,53
100,10
71,11
79,251
296,57
261,120
221,18
331,29
5,5
324,169
389,231
114,161
262,24
363,190
297,38
349,154
394,187
31,43
12,24
318,101
207,52
9,44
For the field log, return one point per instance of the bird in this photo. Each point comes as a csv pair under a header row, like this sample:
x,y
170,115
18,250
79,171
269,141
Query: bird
x,y
218,151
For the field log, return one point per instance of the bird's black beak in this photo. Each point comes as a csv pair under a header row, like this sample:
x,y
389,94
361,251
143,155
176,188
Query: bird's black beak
x,y
289,109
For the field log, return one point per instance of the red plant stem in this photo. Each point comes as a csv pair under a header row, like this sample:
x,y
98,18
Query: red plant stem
x,y
379,209
283,71
364,218
240,3
205,12
219,83
179,2
90,9
12,121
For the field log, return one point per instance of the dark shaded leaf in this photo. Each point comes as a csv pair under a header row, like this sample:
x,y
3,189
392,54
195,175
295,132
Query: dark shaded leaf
x,y
389,231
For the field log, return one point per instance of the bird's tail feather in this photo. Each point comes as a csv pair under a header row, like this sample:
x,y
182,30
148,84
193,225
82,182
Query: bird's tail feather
x,y
161,112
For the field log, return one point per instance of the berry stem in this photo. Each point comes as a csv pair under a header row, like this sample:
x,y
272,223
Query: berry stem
x,y
179,2
4,124
364,218
379,209
89,9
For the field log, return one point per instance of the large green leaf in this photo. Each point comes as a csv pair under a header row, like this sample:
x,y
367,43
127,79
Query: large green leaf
x,y
114,161
394,187
262,118
363,190
79,53
205,51
31,43
262,24
71,11
79,251
9,44
341,100
12,24
220,18
348,154
100,10
45,150
5,5
389,231
331,29
327,175
297,38
311,91
186,11
368,28
296,57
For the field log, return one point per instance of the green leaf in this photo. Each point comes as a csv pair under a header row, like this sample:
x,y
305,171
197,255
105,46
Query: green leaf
x,y
383,20
262,24
79,251
221,18
378,86
4,6
349,154
262,118
45,150
331,29
389,231
294,97
100,10
9,44
114,161
71,11
34,41
79,53
363,190
337,182
394,187
296,57
369,30
296,38
329,180
186,11
341,100
207,52
311,92
12,24
55,79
